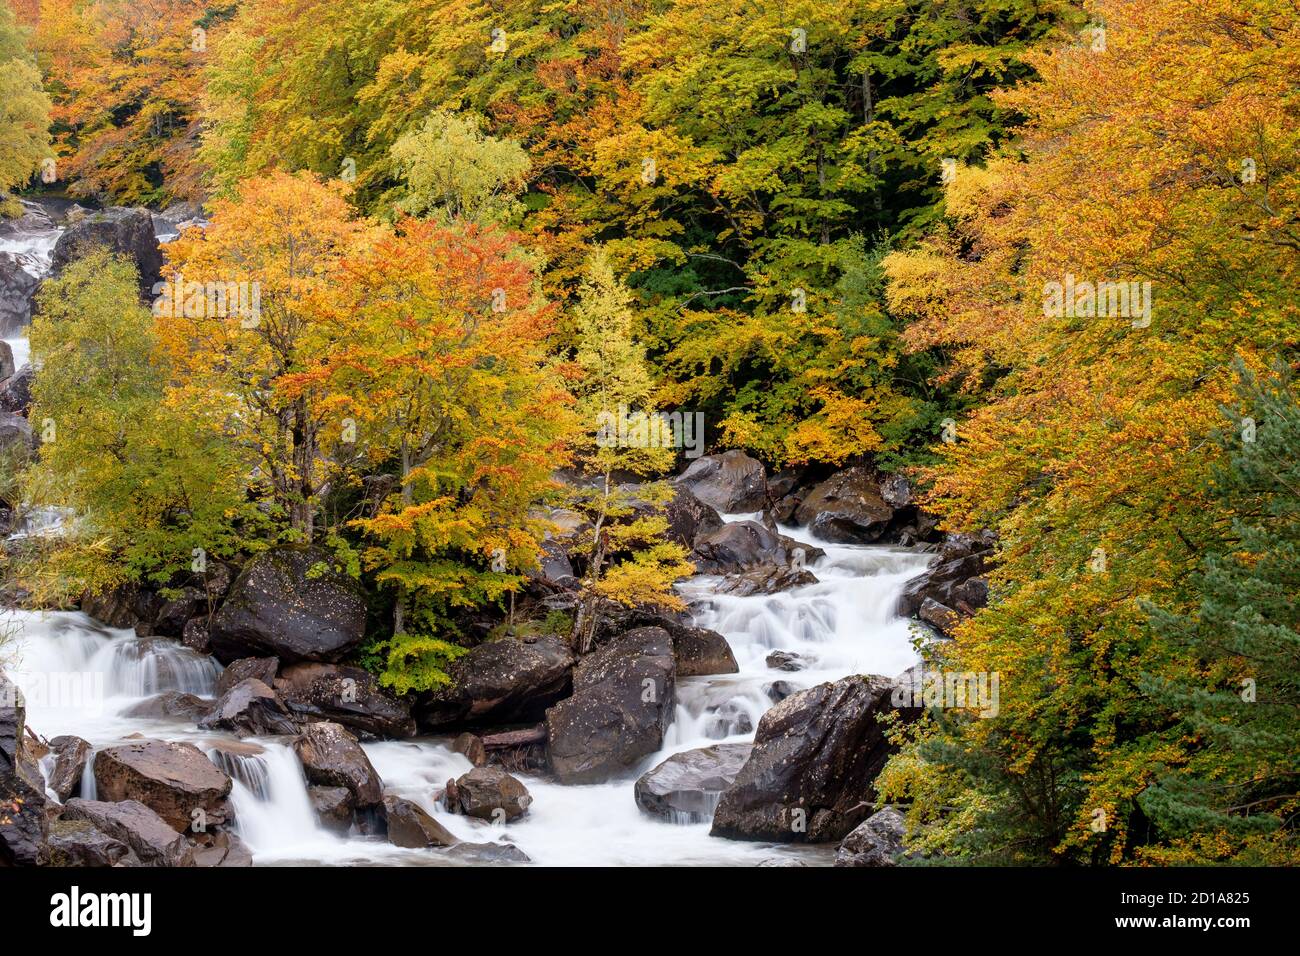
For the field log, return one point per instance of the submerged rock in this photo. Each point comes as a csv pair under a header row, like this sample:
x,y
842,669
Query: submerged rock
x,y
490,793
686,787
70,757
409,826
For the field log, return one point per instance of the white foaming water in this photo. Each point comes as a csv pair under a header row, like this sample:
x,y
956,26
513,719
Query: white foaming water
x,y
79,677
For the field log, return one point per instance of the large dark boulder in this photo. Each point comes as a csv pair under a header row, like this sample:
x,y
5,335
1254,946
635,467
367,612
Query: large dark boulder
x,y
177,781
16,391
345,695
489,793
687,786
877,841
70,757
289,603
125,232
731,482
622,704
743,545
847,507
331,757
409,826
700,651
23,823
810,777
505,680
689,517
17,289
149,836
250,709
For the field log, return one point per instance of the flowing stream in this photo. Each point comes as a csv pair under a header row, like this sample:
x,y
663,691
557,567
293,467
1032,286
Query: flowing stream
x,y
80,677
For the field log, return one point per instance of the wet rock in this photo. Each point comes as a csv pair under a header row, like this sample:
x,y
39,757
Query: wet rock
x,y
744,545
779,690
125,605
699,651
848,507
331,757
344,695
148,835
333,807
502,681
728,720
289,603
688,517
23,823
471,746
785,661
175,780
174,613
810,777
409,826
70,757
953,584
486,853
686,787
767,580
7,367
16,436
622,704
81,843
16,391
877,841
195,635
170,705
17,290
938,615
250,709
220,848
259,668
124,231
487,792
731,482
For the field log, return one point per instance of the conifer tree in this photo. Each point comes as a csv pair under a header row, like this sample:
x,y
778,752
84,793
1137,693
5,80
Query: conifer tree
x,y
1246,631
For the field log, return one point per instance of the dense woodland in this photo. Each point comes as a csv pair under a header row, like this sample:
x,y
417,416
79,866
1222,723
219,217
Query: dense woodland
x,y
475,227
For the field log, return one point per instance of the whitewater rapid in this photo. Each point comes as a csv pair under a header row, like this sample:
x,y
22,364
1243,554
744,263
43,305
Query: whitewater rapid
x,y
79,677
